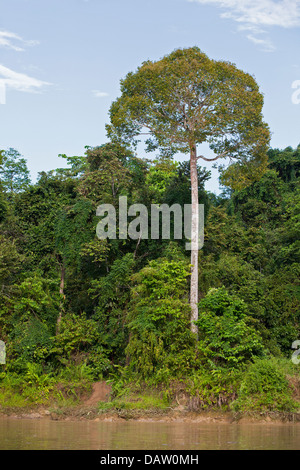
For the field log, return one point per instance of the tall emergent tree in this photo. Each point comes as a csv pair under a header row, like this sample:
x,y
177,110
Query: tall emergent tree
x,y
183,100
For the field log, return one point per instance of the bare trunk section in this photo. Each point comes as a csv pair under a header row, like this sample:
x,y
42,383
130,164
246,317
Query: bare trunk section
x,y
61,291
194,240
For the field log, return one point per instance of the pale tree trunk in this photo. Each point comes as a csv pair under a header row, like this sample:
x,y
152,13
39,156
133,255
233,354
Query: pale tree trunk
x,y
194,240
61,291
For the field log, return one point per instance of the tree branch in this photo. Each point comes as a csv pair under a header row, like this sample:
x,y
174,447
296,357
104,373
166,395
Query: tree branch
x,y
215,158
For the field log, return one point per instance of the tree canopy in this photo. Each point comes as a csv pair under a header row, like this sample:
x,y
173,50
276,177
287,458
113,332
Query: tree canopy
x,y
185,99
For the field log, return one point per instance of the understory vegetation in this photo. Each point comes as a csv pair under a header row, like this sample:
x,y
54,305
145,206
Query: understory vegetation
x,y
75,309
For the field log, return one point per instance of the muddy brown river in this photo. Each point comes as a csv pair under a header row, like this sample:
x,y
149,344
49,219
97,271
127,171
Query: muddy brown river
x,y
43,434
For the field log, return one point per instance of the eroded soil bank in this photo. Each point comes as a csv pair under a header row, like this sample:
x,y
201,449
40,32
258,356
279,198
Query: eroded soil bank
x,y
89,408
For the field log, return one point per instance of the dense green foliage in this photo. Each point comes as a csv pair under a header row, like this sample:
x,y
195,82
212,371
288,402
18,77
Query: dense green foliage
x,y
124,304
265,387
224,335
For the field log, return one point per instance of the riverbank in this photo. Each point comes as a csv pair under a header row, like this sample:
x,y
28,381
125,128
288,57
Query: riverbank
x,y
270,395
82,412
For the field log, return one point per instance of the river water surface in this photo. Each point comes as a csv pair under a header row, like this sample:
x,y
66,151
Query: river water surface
x,y
43,434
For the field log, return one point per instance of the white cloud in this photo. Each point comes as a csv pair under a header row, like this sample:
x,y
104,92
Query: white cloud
x,y
252,15
266,44
14,41
20,81
251,27
285,13
100,94
15,80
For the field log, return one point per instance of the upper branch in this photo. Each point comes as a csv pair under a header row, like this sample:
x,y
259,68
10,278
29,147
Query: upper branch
x,y
214,158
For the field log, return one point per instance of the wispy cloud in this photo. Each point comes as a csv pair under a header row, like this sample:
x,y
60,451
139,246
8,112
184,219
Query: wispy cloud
x,y
99,94
20,81
254,15
14,41
264,43
15,80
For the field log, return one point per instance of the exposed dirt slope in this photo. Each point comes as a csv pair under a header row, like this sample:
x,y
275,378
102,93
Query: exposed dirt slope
x,y
101,392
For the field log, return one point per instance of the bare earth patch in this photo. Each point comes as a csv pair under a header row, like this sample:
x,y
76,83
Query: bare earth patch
x,y
101,392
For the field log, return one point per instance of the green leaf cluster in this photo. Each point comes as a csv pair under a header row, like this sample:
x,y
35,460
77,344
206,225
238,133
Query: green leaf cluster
x,y
225,338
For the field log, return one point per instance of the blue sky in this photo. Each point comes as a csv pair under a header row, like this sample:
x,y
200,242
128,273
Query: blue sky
x,y
61,62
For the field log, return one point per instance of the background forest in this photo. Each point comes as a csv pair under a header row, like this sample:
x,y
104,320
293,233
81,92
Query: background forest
x,y
75,309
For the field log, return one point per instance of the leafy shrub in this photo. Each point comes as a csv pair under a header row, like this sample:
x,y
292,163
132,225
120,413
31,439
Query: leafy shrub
x,y
225,338
76,334
31,340
33,386
112,293
214,388
36,296
78,342
159,319
265,388
76,373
